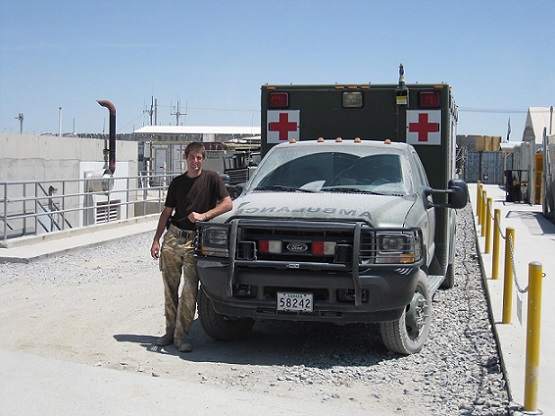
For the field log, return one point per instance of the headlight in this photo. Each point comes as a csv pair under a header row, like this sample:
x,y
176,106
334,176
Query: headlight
x,y
213,241
398,247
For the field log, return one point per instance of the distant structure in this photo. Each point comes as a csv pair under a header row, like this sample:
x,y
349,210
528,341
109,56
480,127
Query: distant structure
x,y
476,143
204,134
538,119
161,148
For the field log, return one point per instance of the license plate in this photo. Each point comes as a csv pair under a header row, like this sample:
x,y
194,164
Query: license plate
x,y
298,302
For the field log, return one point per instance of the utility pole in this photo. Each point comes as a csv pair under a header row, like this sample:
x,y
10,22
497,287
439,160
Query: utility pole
x,y
20,118
178,113
156,112
151,111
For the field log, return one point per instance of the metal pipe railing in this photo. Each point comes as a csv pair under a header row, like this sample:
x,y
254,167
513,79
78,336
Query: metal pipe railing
x,y
33,202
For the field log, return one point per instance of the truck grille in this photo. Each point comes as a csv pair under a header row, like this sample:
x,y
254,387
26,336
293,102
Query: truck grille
x,y
324,243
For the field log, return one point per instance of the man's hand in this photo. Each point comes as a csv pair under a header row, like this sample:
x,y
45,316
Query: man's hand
x,y
155,250
195,217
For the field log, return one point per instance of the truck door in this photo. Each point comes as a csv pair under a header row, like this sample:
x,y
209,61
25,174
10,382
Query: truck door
x,y
421,181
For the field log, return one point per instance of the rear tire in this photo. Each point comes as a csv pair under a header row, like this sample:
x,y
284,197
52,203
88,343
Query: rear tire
x,y
410,332
221,327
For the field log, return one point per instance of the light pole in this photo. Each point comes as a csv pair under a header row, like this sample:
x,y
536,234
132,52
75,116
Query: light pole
x,y
20,118
60,121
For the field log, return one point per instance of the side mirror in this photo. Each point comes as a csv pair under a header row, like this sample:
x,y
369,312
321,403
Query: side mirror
x,y
225,178
235,190
457,195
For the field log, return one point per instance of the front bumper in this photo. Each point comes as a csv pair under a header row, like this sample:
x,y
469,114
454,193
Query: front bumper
x,y
383,293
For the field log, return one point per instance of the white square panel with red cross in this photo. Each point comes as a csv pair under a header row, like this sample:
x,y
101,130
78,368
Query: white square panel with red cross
x,y
424,127
283,125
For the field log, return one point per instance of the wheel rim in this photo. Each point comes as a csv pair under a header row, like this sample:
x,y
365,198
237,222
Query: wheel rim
x,y
417,315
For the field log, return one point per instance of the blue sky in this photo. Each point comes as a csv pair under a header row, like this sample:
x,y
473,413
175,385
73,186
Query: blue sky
x,y
213,56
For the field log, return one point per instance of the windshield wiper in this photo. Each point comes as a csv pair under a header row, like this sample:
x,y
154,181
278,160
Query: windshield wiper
x,y
350,190
283,188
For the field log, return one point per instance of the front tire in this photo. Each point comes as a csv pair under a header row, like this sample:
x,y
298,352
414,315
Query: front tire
x,y
410,332
221,327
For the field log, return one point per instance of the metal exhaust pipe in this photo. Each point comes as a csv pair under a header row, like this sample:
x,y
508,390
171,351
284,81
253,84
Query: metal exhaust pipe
x,y
112,145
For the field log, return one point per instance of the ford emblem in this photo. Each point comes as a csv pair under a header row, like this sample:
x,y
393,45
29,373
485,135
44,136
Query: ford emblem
x,y
297,247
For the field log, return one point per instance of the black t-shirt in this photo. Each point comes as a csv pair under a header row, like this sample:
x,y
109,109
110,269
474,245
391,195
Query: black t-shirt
x,y
199,194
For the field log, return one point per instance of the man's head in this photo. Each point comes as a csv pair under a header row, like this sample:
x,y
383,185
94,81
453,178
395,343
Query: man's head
x,y
195,153
195,147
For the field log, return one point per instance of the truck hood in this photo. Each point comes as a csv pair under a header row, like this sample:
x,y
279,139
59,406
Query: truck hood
x,y
376,210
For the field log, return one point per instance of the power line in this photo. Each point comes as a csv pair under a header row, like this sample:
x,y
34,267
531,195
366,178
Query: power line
x,y
223,109
493,110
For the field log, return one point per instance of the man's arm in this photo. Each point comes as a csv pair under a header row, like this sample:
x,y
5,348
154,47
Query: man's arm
x,y
225,205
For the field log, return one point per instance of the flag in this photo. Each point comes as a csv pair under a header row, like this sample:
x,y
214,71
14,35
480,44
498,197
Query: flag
x,y
509,129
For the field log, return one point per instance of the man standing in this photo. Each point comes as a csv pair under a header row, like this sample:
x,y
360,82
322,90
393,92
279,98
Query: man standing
x,y
197,195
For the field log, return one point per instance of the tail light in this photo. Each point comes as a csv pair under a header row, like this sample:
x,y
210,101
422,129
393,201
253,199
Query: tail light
x,y
278,100
428,99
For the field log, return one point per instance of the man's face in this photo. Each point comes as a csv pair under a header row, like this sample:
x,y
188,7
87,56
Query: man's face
x,y
194,161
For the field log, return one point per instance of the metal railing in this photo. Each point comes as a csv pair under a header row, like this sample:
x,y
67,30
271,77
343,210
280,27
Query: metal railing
x,y
38,207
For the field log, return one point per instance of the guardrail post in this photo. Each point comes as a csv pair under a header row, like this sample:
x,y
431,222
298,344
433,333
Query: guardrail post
x,y
496,236
482,195
478,199
488,225
535,275
484,213
508,280
479,204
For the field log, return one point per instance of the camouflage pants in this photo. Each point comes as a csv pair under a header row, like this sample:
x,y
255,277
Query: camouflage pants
x,y
176,258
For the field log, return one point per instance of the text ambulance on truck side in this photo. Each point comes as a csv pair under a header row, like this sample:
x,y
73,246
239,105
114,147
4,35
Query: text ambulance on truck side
x,y
347,218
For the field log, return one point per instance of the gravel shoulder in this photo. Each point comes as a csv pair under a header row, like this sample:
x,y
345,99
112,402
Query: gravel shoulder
x,y
101,307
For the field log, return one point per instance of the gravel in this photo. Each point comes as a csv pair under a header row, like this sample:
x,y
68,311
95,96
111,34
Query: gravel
x,y
457,373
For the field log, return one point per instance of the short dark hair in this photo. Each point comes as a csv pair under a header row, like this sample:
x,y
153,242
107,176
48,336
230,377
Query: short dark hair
x,y
195,147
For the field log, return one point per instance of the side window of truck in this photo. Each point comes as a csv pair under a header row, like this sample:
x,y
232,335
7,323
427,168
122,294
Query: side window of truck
x,y
420,172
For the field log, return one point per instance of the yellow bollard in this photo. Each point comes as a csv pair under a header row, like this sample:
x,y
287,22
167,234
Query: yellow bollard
x,y
479,203
484,213
533,336
478,194
482,194
488,225
508,281
496,236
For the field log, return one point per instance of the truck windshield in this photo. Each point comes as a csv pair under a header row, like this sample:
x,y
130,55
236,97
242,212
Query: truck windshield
x,y
332,172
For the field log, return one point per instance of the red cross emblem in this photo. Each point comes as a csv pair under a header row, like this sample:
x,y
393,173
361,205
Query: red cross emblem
x,y
282,125
423,127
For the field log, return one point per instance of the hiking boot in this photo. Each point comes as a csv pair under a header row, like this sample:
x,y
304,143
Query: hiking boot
x,y
184,346
164,340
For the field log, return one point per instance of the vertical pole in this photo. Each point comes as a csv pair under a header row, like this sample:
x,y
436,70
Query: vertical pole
x,y
478,195
533,336
5,203
484,213
508,280
480,206
60,122
488,225
496,236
